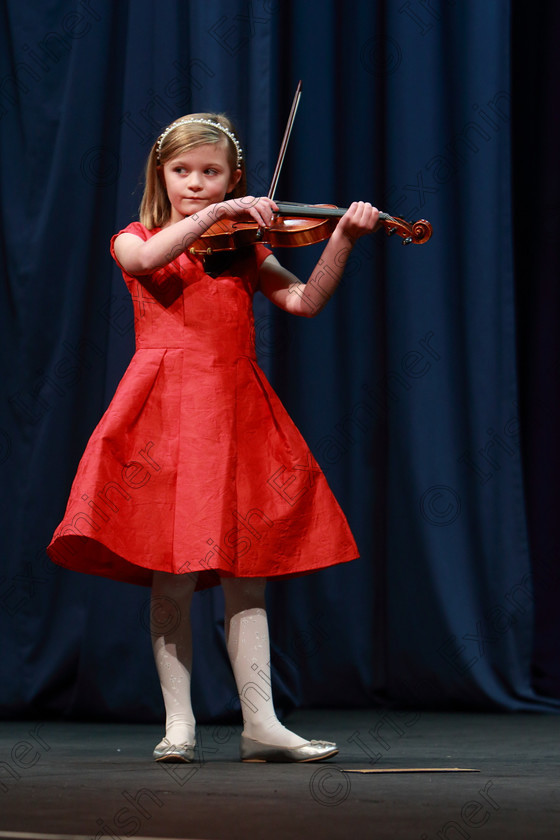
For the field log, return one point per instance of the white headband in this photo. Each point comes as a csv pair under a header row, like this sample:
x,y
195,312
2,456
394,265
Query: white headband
x,y
201,121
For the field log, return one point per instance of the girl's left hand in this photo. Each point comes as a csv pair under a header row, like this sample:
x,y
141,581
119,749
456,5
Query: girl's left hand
x,y
360,218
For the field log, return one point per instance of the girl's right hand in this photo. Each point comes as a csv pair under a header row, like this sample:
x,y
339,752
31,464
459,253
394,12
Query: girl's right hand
x,y
247,207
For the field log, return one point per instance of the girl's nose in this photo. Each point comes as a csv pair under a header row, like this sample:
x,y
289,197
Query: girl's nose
x,y
195,181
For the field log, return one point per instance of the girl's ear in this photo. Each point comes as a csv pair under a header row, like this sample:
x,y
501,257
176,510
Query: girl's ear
x,y
234,180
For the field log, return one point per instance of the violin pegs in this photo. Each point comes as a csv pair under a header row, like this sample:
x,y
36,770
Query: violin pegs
x,y
391,231
407,241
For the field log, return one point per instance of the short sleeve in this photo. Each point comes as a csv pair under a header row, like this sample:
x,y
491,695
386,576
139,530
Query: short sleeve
x,y
262,252
135,228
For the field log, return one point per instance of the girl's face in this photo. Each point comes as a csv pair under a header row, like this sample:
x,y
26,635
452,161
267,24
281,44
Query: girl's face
x,y
198,178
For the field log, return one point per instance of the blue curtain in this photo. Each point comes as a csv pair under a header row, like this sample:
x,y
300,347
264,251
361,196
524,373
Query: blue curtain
x,y
407,387
536,138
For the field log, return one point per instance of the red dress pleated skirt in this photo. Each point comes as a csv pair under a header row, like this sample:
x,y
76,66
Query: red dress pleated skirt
x,y
196,465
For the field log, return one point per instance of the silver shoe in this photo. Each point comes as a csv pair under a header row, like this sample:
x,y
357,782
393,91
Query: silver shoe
x,y
166,751
311,751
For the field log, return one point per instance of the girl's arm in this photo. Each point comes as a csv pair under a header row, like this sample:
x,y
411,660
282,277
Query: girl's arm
x,y
139,257
308,299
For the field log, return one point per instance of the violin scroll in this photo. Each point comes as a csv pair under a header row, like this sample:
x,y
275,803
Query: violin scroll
x,y
416,233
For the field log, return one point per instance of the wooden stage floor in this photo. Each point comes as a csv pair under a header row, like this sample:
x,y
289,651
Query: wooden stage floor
x,y
94,781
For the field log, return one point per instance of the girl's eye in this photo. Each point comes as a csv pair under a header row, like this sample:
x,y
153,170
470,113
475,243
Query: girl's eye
x,y
212,171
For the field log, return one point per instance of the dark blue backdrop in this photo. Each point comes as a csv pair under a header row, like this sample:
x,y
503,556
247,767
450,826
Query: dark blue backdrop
x,y
407,387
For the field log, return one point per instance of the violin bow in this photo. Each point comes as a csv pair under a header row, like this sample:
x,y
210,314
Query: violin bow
x,y
285,140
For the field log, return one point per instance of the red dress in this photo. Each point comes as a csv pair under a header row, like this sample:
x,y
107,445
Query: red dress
x,y
196,465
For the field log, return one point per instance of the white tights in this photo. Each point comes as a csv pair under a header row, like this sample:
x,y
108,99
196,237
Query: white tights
x,y
248,649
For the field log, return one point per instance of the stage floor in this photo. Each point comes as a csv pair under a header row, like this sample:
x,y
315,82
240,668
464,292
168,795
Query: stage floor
x,y
98,780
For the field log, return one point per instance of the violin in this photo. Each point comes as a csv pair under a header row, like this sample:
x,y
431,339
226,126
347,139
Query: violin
x,y
296,225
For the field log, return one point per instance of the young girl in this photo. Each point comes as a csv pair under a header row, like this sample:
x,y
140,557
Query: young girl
x,y
196,475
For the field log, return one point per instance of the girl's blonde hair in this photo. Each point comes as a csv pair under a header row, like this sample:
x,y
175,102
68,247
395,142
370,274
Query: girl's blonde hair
x,y
155,209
